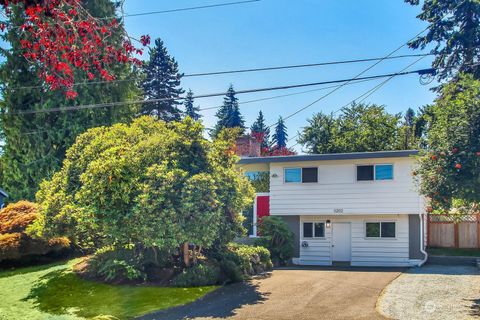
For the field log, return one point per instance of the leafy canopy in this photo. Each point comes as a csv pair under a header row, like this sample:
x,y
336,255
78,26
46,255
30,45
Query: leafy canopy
x,y
449,169
150,184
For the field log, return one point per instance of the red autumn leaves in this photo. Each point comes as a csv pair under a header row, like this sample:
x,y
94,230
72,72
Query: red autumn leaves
x,y
66,43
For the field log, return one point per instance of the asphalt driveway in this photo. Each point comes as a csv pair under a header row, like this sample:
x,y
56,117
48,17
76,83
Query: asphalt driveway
x,y
300,293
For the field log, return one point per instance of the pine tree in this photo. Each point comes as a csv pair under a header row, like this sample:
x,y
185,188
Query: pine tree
x,y
35,144
162,81
259,127
229,115
190,109
280,136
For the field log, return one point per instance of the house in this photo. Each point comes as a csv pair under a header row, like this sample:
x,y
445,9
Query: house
x,y
358,209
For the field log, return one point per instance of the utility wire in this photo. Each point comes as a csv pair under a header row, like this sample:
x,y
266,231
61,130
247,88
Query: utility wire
x,y
203,74
120,103
354,78
364,95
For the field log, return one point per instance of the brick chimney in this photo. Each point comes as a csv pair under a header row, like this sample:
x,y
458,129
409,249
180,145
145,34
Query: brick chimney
x,y
247,146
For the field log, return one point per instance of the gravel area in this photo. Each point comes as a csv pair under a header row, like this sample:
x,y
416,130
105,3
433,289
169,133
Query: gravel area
x,y
433,292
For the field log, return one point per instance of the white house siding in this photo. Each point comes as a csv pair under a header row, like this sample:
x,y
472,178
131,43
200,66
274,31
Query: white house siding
x,y
337,188
364,252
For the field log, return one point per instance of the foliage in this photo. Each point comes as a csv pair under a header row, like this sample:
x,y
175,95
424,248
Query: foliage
x,y
199,275
279,138
261,130
239,262
191,110
15,242
359,128
261,182
277,238
35,144
449,168
253,259
453,28
162,81
149,185
229,114
64,41
55,292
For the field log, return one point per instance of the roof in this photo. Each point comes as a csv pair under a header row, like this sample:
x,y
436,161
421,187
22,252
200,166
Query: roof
x,y
330,156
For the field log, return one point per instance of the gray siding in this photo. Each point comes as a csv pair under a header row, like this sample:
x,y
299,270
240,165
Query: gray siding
x,y
294,226
414,237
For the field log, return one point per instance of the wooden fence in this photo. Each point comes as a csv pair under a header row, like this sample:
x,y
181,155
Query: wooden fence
x,y
446,231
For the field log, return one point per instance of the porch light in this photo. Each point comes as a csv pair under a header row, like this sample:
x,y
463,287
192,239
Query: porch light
x,y
328,224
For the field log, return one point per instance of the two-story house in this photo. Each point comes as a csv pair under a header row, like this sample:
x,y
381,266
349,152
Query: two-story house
x,y
358,209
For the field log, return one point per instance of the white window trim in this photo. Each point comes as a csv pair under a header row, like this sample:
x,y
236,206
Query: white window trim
x,y
313,229
374,172
380,222
301,175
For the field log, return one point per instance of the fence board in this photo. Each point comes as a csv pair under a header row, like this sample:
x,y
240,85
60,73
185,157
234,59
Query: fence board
x,y
446,232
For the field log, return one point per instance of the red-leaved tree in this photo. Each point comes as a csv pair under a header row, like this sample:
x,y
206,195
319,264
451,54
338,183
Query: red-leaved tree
x,y
61,37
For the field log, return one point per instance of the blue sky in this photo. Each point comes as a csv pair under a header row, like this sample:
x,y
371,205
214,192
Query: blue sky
x,y
284,32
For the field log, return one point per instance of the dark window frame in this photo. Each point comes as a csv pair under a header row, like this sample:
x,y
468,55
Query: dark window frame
x,y
302,176
374,169
313,229
381,235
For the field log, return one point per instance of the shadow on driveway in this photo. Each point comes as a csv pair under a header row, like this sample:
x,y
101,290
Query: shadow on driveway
x,y
218,304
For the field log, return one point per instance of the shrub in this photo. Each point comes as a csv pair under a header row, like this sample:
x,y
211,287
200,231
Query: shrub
x,y
15,242
115,265
277,238
251,259
197,276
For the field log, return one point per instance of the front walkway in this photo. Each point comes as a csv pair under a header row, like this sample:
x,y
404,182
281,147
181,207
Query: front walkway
x,y
299,294
433,292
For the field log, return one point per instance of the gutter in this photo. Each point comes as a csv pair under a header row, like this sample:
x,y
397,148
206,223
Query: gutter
x,y
422,250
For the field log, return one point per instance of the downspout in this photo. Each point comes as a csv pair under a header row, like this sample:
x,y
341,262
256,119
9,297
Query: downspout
x,y
422,250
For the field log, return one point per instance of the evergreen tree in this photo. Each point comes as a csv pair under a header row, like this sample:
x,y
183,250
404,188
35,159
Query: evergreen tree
x,y
190,109
35,144
454,29
279,139
229,115
260,127
162,81
408,130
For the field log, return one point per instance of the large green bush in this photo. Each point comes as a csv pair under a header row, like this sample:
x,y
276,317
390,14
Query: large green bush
x,y
198,276
148,186
277,237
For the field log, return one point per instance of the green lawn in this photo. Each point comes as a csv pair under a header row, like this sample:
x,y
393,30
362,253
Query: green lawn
x,y
454,252
55,292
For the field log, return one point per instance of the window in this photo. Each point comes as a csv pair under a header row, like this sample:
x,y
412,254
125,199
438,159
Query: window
x,y
364,173
375,172
293,175
380,229
384,172
314,229
303,175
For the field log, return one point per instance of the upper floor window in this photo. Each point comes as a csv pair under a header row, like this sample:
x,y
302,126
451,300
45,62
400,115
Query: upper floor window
x,y
374,172
303,175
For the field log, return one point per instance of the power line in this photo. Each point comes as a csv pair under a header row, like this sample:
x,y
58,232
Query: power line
x,y
185,9
202,74
285,95
364,96
356,77
119,103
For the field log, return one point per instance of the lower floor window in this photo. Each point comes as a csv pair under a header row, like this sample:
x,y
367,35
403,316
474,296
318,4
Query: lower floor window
x,y
380,229
314,229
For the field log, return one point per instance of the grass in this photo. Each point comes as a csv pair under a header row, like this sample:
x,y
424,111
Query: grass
x,y
454,252
55,292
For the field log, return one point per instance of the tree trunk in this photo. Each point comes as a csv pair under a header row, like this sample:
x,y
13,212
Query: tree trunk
x,y
186,255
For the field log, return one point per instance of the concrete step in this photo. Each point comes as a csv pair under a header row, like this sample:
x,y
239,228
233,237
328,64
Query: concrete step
x,y
454,260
